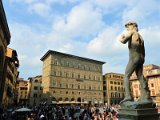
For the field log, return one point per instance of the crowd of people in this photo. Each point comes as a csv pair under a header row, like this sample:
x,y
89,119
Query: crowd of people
x,y
63,112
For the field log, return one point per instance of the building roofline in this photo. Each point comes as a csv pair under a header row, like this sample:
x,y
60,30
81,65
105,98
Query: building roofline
x,y
65,54
113,73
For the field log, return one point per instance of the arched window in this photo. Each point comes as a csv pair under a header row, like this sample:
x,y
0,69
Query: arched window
x,y
79,66
56,62
79,76
79,87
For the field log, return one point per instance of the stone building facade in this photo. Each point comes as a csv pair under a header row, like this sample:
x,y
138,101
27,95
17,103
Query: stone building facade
x,y
4,41
152,74
70,78
113,89
9,86
23,91
35,96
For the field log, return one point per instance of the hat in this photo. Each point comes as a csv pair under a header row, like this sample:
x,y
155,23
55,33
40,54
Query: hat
x,y
131,23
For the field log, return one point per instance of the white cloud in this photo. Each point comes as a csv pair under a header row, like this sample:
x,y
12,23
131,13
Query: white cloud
x,y
40,8
140,10
106,42
83,20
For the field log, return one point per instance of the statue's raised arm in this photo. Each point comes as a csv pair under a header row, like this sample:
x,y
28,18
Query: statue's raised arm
x,y
124,37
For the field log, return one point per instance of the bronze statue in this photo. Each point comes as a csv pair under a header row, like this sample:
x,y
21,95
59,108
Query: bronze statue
x,y
136,61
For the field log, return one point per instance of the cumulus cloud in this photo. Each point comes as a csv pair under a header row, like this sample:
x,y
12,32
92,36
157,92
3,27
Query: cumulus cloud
x,y
140,10
82,20
106,42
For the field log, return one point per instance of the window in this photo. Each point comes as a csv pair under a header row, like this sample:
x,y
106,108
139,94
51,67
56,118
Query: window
x,y
85,67
54,84
111,95
119,95
94,68
66,92
35,95
116,88
115,95
62,63
111,82
152,84
79,66
73,75
56,62
66,85
35,81
111,88
67,64
54,73
61,73
79,87
60,85
67,74
153,93
99,88
79,76
84,76
72,85
35,88
73,64
98,68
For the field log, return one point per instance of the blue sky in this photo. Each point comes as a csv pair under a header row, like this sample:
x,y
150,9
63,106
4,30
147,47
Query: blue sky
x,y
86,28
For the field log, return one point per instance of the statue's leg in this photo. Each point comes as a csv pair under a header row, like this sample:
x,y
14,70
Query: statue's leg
x,y
145,93
128,72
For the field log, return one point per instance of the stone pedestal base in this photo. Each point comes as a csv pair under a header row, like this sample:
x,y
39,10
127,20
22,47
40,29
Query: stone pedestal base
x,y
139,114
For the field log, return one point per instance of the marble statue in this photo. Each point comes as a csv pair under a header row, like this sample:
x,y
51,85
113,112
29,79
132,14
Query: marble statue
x,y
136,61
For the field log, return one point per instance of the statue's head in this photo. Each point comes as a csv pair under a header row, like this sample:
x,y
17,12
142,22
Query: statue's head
x,y
131,25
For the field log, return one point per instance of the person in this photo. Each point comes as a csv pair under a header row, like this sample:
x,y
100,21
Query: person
x,y
136,61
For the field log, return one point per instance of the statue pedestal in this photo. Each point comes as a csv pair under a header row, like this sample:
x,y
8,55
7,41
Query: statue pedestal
x,y
138,111
139,114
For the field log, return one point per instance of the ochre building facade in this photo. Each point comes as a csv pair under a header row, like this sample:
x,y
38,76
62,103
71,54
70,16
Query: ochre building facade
x,y
9,91
23,91
70,78
152,74
113,89
35,90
